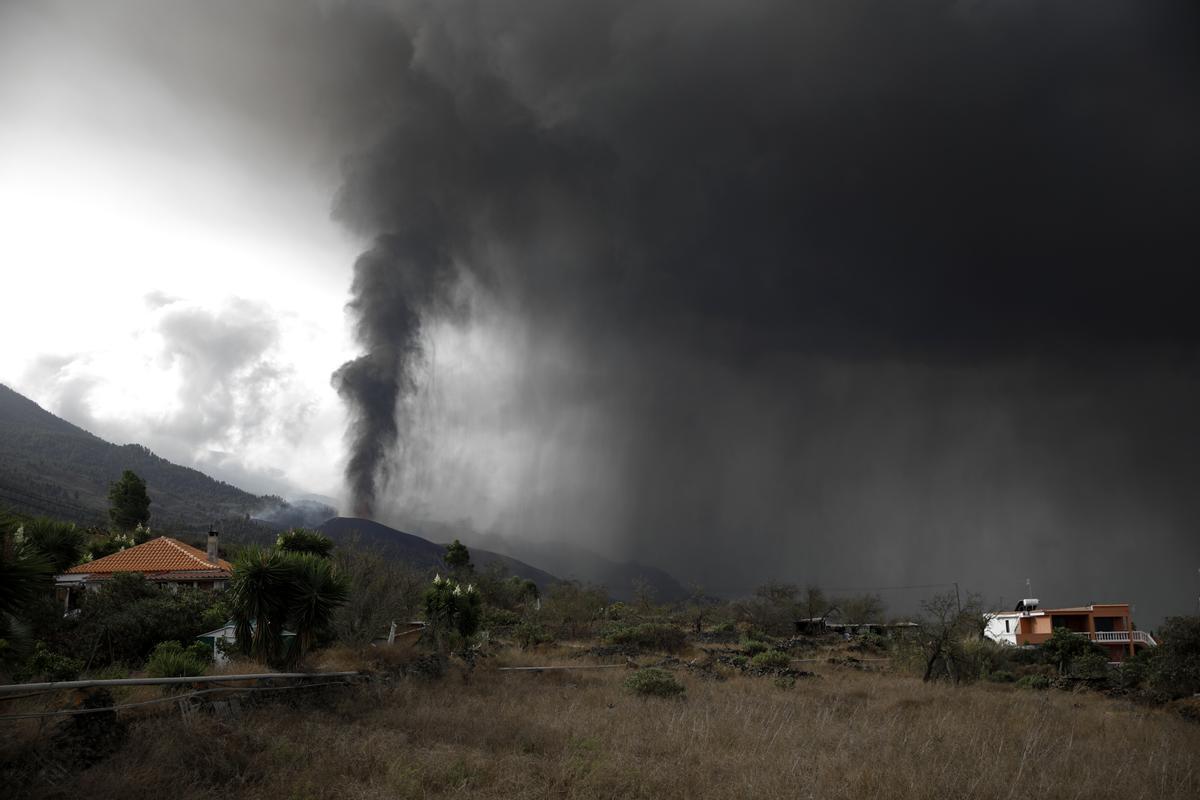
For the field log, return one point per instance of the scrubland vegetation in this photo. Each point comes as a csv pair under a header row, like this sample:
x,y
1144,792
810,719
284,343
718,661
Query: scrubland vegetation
x,y
704,698
840,733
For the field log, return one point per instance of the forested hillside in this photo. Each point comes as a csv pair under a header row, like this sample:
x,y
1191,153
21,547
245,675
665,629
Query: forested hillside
x,y
49,466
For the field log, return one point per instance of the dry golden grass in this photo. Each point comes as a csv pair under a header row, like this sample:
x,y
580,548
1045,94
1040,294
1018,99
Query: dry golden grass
x,y
844,734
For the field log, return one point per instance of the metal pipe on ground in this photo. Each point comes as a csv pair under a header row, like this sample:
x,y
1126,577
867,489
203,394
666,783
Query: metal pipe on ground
x,y
55,686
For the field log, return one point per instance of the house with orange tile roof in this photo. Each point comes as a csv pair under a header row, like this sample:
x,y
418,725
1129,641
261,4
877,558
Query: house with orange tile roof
x,y
163,560
1109,625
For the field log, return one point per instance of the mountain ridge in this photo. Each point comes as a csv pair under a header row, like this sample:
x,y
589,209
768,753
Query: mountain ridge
x,y
51,466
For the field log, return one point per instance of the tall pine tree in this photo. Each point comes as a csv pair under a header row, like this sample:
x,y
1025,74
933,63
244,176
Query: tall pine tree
x,y
129,505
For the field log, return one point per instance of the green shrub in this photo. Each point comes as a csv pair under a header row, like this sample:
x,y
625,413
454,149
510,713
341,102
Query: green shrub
x,y
1174,666
871,641
654,682
725,628
753,647
494,617
739,661
1064,647
128,616
531,634
111,672
1092,666
1034,682
51,666
173,660
619,611
785,681
650,635
1001,676
771,660
1133,672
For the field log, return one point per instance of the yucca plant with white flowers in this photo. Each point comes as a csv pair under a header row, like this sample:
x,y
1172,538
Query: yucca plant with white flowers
x,y
452,612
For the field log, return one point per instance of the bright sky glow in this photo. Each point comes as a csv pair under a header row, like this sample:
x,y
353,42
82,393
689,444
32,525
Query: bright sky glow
x,y
104,244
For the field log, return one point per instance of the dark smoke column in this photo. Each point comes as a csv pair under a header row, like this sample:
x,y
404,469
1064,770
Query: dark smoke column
x,y
395,282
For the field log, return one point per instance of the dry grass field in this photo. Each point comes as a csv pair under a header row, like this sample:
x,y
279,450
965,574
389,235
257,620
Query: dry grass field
x,y
840,734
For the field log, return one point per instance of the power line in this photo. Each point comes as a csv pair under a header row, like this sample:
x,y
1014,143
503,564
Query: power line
x,y
885,588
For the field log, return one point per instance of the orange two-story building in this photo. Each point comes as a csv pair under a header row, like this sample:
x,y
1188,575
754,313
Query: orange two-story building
x,y
1109,625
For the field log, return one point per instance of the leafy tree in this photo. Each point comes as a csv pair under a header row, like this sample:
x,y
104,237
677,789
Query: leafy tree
x,y
129,504
572,607
815,603
774,608
127,617
525,590
1064,647
457,557
643,596
862,608
1175,663
698,607
106,545
62,543
300,540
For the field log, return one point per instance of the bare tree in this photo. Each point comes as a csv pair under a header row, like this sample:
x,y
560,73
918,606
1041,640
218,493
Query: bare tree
x,y
698,607
944,627
382,590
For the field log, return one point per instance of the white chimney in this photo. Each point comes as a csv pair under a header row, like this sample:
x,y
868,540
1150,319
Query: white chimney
x,y
213,556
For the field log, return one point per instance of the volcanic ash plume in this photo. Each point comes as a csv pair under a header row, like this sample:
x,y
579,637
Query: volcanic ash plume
x,y
393,281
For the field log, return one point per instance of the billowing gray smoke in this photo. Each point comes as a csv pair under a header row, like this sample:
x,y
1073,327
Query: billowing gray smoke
x,y
453,171
942,183
394,284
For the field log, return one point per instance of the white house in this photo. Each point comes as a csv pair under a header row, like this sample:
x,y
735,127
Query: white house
x,y
1003,626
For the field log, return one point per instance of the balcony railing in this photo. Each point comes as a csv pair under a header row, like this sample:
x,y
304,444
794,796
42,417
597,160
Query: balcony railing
x,y
1120,637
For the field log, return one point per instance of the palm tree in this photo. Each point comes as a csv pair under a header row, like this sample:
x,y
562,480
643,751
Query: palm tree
x,y
25,575
273,589
317,590
62,543
299,540
259,596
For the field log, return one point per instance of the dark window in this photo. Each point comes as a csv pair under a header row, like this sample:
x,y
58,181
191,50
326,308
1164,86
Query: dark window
x,y
1072,622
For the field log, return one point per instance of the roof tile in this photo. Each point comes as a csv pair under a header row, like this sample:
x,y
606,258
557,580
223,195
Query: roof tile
x,y
163,554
